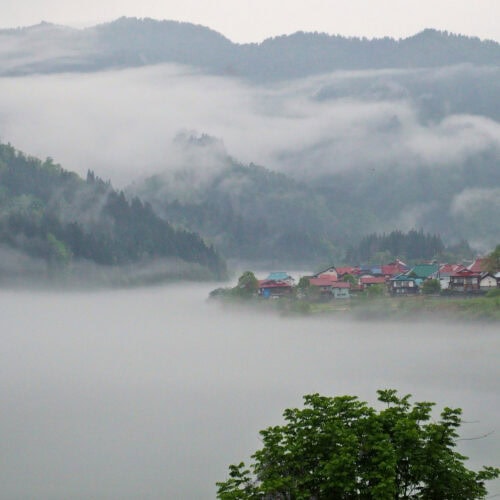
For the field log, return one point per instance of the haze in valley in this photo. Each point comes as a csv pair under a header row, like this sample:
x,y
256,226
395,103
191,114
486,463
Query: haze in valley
x,y
152,393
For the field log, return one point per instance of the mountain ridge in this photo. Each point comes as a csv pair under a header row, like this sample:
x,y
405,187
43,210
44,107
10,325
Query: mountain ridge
x,y
133,42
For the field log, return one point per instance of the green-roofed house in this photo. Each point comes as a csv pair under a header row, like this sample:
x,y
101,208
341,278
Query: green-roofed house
x,y
423,271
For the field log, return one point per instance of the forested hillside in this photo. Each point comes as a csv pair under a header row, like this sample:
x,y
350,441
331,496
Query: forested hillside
x,y
355,137
252,213
61,221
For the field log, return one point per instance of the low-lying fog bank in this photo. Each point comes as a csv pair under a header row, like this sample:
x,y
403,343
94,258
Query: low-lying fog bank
x,y
151,393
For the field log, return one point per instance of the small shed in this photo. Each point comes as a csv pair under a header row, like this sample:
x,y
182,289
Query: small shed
x,y
487,282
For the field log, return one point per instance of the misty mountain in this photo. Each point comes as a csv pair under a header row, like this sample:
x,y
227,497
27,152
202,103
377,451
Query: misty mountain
x,y
249,212
255,214
131,42
354,136
58,219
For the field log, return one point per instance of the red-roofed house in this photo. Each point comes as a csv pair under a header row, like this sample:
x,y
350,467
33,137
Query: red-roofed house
x,y
394,268
330,272
272,288
478,266
342,271
445,271
324,284
465,281
328,287
367,281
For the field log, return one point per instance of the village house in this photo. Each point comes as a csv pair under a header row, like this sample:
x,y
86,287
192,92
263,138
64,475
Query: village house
x,y
465,281
274,288
367,281
277,284
341,290
329,288
330,272
487,282
343,271
422,272
323,284
396,276
478,266
444,273
394,269
403,285
281,276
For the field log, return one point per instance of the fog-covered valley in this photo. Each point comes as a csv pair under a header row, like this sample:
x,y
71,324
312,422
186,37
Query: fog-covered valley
x,y
141,153
348,146
152,393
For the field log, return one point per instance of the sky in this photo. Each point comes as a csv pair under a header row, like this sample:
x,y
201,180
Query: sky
x,y
254,20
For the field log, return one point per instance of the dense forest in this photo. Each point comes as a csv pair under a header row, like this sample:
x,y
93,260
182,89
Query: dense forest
x,y
61,220
254,214
411,246
250,213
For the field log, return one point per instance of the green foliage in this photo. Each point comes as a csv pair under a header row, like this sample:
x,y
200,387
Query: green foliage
x,y
301,307
381,248
349,278
59,254
54,215
374,291
493,293
341,448
493,261
303,283
247,284
431,286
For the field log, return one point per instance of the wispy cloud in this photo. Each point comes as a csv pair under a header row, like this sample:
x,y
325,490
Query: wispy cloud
x,y
122,124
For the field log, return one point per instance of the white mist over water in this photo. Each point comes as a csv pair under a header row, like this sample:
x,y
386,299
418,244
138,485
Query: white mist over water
x,y
152,393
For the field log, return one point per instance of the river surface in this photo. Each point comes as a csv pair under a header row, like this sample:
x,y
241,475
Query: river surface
x,y
152,393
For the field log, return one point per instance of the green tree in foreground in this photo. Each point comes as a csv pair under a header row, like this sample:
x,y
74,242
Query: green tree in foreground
x,y
341,448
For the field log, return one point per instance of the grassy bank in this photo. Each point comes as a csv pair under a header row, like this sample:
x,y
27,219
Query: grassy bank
x,y
381,308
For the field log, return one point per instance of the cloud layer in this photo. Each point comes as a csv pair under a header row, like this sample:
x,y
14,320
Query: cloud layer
x,y
122,123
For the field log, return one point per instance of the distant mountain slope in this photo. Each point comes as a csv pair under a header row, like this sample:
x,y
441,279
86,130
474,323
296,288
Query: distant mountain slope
x,y
249,212
59,219
129,42
254,214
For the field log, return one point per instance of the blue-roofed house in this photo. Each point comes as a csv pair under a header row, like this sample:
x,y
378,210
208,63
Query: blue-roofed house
x,y
280,276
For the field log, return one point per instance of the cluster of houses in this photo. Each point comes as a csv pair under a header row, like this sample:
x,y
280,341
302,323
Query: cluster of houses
x,y
396,278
